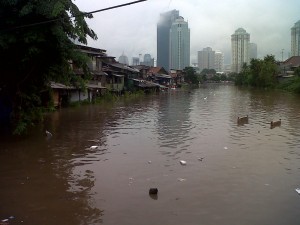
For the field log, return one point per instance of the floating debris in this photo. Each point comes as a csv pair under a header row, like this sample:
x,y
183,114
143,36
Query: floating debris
x,y
297,190
225,148
200,159
242,120
153,191
182,162
94,147
274,124
149,162
181,179
48,134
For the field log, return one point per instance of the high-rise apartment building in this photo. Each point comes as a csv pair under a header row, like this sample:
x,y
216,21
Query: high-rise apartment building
x,y
163,37
239,49
219,61
206,59
295,39
179,45
148,61
252,51
135,61
123,59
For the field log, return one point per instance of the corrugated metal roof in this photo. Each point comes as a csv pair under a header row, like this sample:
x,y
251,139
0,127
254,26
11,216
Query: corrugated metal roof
x,y
95,86
118,75
55,85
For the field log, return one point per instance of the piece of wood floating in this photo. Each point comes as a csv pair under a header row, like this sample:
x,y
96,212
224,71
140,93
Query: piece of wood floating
x,y
275,124
242,120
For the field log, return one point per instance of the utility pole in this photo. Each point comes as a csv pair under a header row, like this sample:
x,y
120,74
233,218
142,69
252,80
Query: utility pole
x,y
282,54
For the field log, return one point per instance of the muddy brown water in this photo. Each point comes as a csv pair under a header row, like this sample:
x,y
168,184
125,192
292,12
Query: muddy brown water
x,y
234,174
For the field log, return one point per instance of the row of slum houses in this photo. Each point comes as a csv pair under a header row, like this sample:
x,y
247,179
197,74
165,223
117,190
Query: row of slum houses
x,y
108,75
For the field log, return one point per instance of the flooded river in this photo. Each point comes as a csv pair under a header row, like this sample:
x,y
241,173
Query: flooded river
x,y
234,174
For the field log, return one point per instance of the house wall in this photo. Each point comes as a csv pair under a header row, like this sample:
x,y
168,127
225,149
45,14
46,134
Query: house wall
x,y
76,95
55,97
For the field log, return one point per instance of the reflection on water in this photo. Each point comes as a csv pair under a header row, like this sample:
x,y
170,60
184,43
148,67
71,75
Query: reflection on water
x,y
101,161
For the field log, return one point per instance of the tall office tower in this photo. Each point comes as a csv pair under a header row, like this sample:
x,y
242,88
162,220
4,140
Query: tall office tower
x,y
148,61
219,61
179,45
206,59
123,59
295,39
135,61
239,49
252,51
163,37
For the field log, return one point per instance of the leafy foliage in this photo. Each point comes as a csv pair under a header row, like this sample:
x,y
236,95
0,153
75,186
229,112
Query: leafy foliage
x,y
190,75
260,73
36,47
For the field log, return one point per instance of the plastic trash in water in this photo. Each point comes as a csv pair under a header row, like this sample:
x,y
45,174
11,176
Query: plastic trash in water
x,y
48,134
297,190
182,162
181,179
93,147
153,191
225,148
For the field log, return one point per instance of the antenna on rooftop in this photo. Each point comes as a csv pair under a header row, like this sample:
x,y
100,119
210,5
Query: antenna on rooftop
x,y
282,54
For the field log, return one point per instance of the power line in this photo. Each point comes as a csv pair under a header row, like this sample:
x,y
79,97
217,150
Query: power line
x,y
81,14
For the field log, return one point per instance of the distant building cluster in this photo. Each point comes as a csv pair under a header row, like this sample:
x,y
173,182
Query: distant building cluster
x,y
147,61
173,48
209,59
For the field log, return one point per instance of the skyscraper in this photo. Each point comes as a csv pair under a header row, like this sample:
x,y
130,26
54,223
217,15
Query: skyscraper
x,y
123,59
179,45
252,51
295,39
239,49
135,61
219,61
148,61
163,37
206,59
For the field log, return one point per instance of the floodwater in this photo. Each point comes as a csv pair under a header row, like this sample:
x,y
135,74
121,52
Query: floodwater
x,y
234,174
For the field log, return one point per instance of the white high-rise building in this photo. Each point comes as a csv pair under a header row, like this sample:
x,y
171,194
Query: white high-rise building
x,y
295,39
179,44
239,49
219,61
206,59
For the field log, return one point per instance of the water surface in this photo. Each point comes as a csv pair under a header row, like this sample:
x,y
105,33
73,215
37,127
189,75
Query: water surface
x,y
235,175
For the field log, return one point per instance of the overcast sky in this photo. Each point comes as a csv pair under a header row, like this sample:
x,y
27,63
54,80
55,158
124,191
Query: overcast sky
x,y
132,29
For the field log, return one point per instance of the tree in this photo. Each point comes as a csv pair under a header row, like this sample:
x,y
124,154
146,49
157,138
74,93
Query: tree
x,y
260,73
190,75
36,47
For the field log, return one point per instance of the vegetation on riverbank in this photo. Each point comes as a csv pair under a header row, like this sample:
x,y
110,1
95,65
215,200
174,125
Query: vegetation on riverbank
x,y
291,85
262,73
36,47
